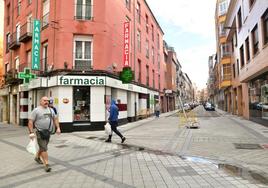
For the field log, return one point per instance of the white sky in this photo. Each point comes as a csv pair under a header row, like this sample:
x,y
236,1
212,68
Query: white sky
x,y
189,26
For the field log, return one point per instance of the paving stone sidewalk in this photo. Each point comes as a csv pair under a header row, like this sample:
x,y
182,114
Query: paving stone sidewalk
x,y
150,158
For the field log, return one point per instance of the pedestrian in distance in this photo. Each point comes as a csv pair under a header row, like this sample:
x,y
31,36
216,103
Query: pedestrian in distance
x,y
157,110
113,121
50,105
42,118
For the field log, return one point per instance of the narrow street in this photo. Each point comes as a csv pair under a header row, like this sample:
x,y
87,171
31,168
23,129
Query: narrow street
x,y
225,151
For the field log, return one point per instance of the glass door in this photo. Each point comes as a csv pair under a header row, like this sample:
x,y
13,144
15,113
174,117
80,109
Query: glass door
x,y
81,106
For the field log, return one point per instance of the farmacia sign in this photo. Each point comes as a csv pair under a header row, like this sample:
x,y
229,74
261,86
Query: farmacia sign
x,y
81,81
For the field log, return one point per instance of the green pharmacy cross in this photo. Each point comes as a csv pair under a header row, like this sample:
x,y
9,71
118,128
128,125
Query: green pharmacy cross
x,y
126,76
26,75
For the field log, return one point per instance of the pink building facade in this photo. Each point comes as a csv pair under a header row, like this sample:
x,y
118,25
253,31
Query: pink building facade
x,y
81,55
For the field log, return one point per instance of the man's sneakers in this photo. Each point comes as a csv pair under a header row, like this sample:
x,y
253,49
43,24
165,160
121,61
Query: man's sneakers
x,y
38,160
47,168
123,140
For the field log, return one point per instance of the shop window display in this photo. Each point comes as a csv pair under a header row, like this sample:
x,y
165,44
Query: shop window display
x,y
81,103
258,98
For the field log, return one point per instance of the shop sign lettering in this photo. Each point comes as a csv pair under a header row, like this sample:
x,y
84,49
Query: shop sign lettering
x,y
81,81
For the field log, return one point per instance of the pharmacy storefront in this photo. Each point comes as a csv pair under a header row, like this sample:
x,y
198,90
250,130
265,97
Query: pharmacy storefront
x,y
82,101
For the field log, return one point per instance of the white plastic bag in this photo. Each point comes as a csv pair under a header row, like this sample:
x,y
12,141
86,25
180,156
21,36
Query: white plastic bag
x,y
32,147
108,129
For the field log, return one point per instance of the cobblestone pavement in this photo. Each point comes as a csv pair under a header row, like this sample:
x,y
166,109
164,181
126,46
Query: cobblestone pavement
x,y
157,153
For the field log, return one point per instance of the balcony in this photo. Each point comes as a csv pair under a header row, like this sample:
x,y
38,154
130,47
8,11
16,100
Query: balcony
x,y
14,41
226,81
82,65
11,77
26,32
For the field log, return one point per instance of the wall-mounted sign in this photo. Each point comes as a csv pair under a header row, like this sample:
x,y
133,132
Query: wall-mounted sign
x,y
126,75
26,75
36,45
126,44
81,80
65,100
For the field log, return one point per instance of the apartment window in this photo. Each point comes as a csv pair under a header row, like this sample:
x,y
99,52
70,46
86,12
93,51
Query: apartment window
x,y
234,70
7,67
7,42
45,18
158,61
247,50
139,40
44,60
152,33
239,19
159,81
147,48
82,53
17,32
153,79
255,39
147,23
138,9
17,63
221,29
226,70
223,7
225,50
251,2
139,71
83,10
147,75
29,58
265,26
8,14
18,7
128,4
242,60
158,41
153,54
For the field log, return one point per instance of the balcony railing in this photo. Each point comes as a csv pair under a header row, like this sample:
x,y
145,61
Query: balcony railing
x,y
226,77
26,31
11,76
83,12
45,21
82,65
14,41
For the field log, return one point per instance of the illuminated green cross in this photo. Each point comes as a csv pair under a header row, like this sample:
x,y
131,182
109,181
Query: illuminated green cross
x,y
126,76
26,75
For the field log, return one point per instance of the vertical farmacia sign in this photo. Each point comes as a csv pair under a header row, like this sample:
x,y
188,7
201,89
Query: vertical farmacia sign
x,y
36,45
126,44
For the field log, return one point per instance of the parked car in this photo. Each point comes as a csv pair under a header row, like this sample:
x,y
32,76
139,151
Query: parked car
x,y
187,107
209,107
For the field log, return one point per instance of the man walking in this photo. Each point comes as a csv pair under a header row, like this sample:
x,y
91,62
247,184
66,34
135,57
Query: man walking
x,y
43,118
113,120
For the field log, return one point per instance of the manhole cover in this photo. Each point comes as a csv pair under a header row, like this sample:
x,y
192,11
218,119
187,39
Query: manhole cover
x,y
247,146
